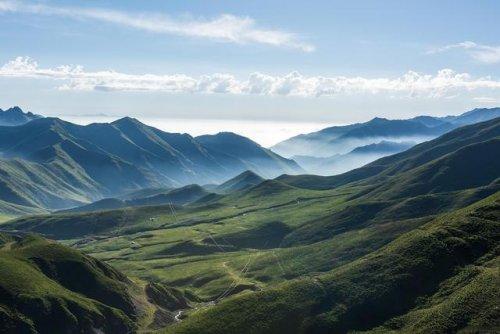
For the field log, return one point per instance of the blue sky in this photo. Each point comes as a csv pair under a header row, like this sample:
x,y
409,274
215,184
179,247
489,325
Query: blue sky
x,y
290,62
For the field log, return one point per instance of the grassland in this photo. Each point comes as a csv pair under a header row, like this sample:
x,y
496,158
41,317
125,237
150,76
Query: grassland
x,y
397,245
441,277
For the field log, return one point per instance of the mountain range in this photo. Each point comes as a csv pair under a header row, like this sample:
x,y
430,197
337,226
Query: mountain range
x,y
407,243
174,197
49,163
338,149
178,196
15,116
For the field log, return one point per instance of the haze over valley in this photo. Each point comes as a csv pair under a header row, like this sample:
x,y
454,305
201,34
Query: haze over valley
x,y
258,167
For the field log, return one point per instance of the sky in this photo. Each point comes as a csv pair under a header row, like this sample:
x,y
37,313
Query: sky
x,y
265,69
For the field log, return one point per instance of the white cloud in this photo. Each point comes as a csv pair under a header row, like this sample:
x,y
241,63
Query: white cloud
x,y
445,83
486,100
483,53
225,28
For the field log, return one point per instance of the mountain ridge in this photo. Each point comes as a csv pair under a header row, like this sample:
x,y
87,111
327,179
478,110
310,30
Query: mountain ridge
x,y
396,245
16,116
340,140
110,159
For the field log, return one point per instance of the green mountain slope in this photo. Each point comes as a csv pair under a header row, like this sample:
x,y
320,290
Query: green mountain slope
x,y
46,287
111,159
377,249
178,196
439,278
240,182
37,186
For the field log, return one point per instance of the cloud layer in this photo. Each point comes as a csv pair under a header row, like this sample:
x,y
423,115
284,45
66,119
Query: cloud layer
x,y
225,28
483,53
444,83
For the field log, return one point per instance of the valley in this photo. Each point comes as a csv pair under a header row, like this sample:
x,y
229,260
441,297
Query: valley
x,y
290,247
249,167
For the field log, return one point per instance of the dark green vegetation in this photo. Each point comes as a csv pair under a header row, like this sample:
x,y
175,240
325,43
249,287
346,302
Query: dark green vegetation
x,y
179,196
243,181
46,287
164,196
407,243
338,149
441,277
50,164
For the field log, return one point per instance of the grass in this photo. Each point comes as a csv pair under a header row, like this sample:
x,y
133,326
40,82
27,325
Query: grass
x,y
40,294
286,233
440,267
364,256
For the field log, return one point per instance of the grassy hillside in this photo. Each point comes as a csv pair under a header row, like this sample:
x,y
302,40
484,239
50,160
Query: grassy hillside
x,y
46,287
177,196
242,181
438,278
27,187
373,253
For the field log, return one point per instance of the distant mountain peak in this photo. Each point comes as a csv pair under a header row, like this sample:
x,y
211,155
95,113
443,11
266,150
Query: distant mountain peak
x,y
229,135
241,181
16,116
14,109
127,121
378,120
248,173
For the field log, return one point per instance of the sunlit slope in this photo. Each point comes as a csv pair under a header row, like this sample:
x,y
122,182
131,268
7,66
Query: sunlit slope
x,y
441,277
276,231
242,181
46,287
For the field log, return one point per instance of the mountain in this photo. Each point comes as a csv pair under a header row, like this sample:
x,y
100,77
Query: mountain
x,y
243,181
27,187
439,278
254,156
383,147
15,116
144,192
411,159
407,243
111,159
341,163
343,139
340,140
179,196
474,116
48,288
